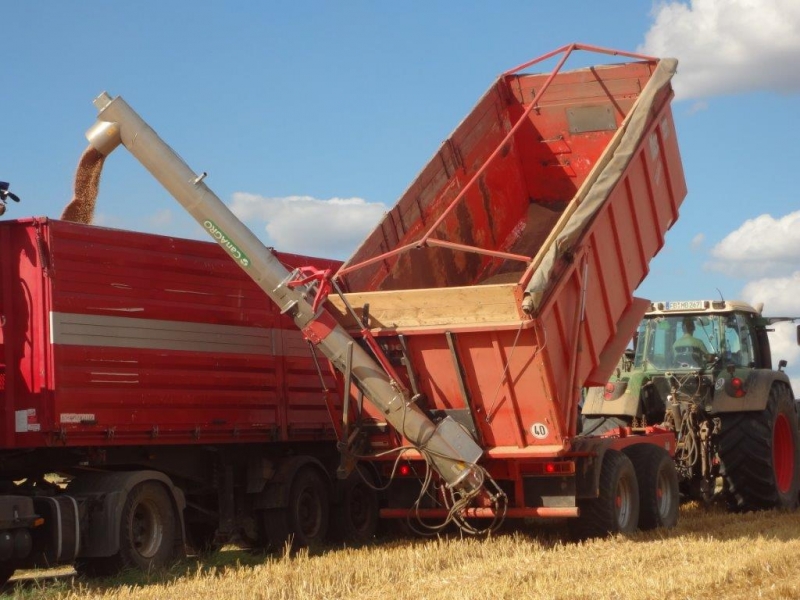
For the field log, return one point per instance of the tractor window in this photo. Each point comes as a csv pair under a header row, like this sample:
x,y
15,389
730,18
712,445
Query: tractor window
x,y
653,341
641,338
738,342
746,355
677,341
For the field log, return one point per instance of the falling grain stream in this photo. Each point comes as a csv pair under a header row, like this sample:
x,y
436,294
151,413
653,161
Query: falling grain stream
x,y
87,183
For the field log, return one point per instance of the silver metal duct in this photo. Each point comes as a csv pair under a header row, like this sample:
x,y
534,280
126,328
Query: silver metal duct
x,y
449,448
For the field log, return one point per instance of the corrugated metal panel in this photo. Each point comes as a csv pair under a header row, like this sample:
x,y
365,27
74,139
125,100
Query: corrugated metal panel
x,y
147,339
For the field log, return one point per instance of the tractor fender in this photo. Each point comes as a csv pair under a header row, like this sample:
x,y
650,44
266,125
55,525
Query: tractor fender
x,y
625,404
101,498
276,492
757,386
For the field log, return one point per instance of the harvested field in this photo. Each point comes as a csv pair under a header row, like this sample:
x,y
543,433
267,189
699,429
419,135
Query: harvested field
x,y
712,554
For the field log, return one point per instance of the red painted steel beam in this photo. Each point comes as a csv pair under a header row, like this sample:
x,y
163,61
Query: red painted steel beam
x,y
481,513
577,46
476,250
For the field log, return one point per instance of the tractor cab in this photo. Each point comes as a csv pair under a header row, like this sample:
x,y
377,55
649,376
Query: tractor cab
x,y
684,352
669,341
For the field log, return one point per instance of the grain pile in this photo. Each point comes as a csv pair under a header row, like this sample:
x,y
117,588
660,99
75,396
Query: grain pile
x,y
87,184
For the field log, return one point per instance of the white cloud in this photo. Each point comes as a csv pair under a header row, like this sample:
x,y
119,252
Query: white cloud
x,y
764,246
781,298
765,251
780,295
698,241
305,225
728,46
783,343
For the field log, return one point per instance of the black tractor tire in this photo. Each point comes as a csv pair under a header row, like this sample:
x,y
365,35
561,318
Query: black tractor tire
x,y
616,508
304,522
355,517
149,536
759,454
658,486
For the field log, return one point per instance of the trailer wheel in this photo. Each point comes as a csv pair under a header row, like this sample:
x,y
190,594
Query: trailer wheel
x,y
148,537
658,486
355,518
616,509
759,456
304,522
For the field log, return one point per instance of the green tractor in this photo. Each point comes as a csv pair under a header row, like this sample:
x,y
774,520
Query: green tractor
x,y
703,369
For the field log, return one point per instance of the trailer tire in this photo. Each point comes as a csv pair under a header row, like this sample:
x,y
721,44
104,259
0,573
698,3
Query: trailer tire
x,y
759,454
616,508
304,522
149,534
658,486
355,518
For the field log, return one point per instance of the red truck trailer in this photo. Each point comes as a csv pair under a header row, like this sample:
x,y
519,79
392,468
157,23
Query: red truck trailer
x,y
497,288
155,378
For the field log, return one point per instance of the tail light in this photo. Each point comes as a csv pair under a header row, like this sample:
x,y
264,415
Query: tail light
x,y
614,389
737,387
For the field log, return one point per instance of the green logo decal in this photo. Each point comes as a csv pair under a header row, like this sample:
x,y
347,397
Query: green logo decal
x,y
226,243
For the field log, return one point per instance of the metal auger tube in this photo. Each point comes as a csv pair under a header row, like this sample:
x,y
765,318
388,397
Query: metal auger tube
x,y
450,449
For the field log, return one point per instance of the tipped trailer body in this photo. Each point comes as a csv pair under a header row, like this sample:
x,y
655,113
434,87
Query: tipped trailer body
x,y
501,283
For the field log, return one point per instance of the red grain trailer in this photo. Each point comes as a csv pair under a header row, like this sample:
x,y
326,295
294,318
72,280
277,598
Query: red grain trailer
x,y
154,376
502,281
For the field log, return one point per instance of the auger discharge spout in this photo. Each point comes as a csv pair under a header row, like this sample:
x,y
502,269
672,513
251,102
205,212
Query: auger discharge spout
x,y
450,449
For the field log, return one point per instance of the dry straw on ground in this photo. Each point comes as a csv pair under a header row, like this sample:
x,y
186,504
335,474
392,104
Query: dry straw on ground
x,y
710,555
87,185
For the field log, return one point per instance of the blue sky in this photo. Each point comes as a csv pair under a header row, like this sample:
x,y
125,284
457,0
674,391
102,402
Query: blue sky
x,y
303,110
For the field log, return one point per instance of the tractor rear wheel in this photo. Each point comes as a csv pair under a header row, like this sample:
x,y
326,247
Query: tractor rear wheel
x,y
759,454
616,508
658,485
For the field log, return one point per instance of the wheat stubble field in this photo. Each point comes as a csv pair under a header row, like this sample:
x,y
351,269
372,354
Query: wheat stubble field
x,y
711,554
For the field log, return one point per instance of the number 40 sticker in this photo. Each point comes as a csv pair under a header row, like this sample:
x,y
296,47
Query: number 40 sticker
x,y
539,431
